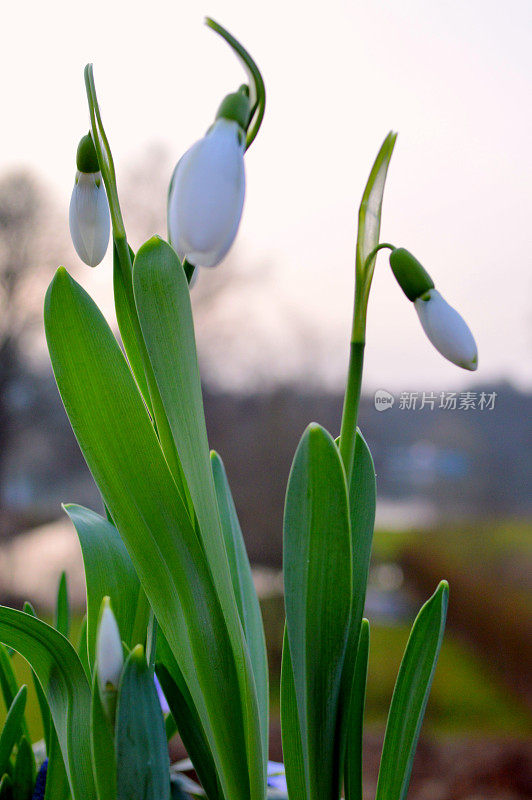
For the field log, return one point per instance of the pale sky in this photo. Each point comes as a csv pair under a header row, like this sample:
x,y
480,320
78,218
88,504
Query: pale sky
x,y
453,77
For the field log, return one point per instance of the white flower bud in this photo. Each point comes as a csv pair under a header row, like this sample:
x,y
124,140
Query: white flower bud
x,y
447,330
207,195
109,654
89,217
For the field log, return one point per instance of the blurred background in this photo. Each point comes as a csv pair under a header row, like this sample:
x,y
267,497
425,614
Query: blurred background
x,y
452,452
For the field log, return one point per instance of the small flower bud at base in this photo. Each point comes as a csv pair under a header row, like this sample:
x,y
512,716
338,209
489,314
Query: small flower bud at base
x,y
109,654
446,329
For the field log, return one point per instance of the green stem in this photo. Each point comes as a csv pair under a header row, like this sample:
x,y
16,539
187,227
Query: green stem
x,y
351,403
356,364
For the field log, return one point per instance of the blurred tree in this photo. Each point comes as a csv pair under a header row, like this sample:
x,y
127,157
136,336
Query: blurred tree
x,y
27,253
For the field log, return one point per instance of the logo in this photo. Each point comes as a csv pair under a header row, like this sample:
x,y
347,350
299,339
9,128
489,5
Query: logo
x,y
383,400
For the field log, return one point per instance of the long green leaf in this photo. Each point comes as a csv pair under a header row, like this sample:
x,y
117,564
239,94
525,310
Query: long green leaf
x,y
163,304
120,446
10,734
362,504
65,685
294,759
24,771
142,762
109,572
410,696
244,589
8,683
57,787
187,719
318,584
127,327
353,758
62,613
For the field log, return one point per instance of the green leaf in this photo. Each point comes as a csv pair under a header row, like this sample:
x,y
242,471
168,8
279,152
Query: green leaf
x,y
244,589
369,215
317,578
62,614
109,572
102,746
24,771
82,648
127,330
11,731
294,760
6,788
8,683
362,504
46,719
353,756
65,685
120,446
141,751
410,696
189,727
163,304
57,786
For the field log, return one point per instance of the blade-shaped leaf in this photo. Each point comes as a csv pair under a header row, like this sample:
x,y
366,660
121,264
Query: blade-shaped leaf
x,y
11,731
410,696
294,760
62,612
317,579
24,771
187,719
57,786
126,327
8,683
109,572
362,503
120,446
65,685
163,304
353,756
244,589
142,763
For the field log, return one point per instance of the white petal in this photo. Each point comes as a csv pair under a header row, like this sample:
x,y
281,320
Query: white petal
x,y
89,218
109,654
207,196
447,330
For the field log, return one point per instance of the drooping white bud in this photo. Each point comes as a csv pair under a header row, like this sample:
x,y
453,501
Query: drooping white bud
x,y
109,654
447,330
207,195
89,217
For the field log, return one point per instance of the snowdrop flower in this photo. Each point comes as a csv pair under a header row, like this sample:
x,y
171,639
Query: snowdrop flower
x,y
109,654
89,210
443,325
206,195
447,330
